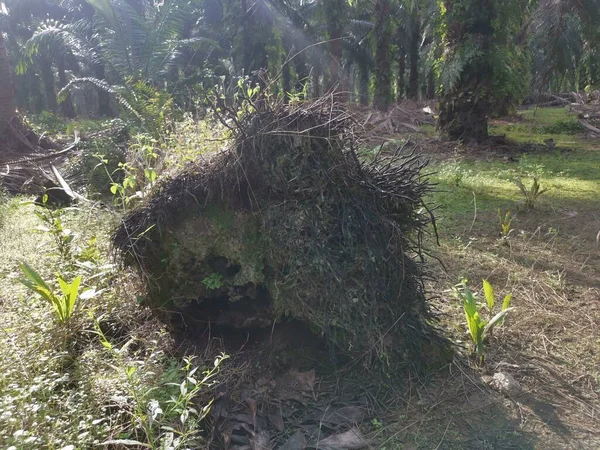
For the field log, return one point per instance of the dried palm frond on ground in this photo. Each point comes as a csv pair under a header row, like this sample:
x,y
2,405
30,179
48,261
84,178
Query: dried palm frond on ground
x,y
288,222
407,116
26,159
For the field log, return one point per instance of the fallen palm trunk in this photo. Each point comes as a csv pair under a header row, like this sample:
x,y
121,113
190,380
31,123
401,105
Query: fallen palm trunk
x,y
288,222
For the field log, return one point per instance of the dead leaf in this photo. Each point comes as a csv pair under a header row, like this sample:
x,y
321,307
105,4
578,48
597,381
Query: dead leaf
x,y
252,405
410,126
346,415
352,439
296,442
260,441
305,381
277,421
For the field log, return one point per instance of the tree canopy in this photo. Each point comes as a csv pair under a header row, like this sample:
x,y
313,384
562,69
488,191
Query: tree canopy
x,y
478,58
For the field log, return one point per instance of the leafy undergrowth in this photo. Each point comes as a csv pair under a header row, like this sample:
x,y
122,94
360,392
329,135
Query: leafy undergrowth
x,y
104,374
549,259
107,374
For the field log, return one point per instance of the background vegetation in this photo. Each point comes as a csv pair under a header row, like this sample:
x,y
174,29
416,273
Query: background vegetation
x,y
141,90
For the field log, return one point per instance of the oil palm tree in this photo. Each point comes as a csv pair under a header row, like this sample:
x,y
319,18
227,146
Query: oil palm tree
x,y
8,105
383,40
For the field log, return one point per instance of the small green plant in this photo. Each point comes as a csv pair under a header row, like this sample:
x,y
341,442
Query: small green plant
x,y
124,191
505,224
64,303
143,152
479,328
164,424
532,193
213,281
54,225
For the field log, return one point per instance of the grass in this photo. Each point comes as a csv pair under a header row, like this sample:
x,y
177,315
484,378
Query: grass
x,y
550,262
534,126
62,388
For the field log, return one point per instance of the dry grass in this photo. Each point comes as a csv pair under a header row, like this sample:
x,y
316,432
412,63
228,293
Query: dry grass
x,y
550,344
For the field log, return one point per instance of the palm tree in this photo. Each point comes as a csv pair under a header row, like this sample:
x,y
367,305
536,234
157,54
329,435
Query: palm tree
x,y
414,53
8,105
466,100
383,36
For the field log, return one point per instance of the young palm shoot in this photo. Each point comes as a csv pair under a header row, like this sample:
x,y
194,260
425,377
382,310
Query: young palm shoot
x,y
479,328
64,303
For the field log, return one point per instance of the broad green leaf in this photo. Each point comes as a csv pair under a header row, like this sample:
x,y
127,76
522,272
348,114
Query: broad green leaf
x,y
150,175
505,305
489,294
495,320
469,301
114,188
506,301
74,290
34,276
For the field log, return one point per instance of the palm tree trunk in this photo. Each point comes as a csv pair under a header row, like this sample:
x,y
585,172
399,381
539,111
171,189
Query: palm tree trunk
x,y
383,82
67,105
363,82
8,105
301,72
104,109
464,107
334,16
430,84
401,83
316,81
415,43
47,75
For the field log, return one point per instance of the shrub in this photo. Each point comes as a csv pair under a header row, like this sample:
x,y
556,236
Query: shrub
x,y
63,304
565,126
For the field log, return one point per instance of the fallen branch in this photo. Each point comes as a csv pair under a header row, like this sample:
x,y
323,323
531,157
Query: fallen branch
x,y
589,127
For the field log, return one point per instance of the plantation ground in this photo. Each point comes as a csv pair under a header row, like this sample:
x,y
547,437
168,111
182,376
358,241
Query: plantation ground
x,y
550,262
64,388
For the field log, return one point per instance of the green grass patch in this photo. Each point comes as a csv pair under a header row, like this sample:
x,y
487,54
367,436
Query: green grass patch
x,y
571,176
541,124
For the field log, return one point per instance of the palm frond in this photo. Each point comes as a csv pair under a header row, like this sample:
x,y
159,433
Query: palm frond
x,y
100,84
114,28
58,40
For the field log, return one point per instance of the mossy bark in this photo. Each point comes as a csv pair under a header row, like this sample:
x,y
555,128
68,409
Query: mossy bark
x,y
207,254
